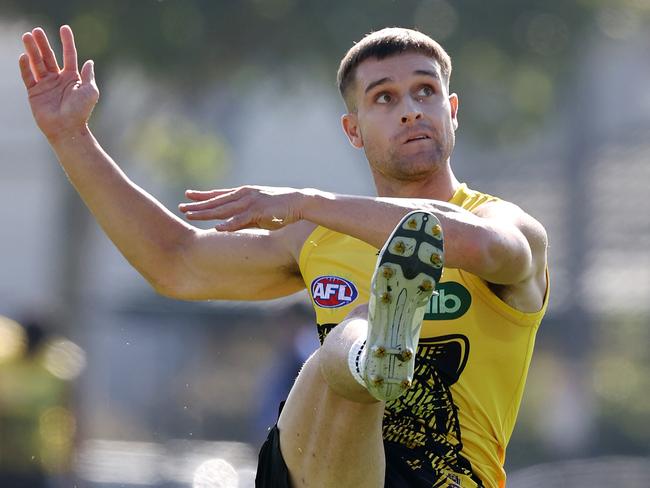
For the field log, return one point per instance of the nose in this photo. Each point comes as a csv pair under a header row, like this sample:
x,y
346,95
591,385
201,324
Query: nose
x,y
411,113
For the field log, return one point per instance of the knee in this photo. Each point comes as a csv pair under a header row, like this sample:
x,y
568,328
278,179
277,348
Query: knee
x,y
333,360
338,342
332,352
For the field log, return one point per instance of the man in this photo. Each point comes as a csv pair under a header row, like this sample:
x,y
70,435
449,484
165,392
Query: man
x,y
344,424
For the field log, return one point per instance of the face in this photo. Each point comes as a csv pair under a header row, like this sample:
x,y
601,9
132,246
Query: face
x,y
405,118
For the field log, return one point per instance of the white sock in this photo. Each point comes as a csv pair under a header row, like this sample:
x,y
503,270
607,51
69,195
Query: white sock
x,y
354,361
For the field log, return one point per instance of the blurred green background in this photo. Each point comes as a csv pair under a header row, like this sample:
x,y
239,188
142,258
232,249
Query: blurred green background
x,y
555,116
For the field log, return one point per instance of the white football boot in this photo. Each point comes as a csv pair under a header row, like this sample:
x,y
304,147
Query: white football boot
x,y
408,270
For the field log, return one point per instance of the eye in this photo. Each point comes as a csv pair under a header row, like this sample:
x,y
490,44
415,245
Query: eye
x,y
384,98
425,91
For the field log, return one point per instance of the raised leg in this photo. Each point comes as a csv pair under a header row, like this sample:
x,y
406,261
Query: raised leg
x,y
331,433
331,425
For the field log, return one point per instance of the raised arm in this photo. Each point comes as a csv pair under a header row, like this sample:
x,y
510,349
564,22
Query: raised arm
x,y
178,259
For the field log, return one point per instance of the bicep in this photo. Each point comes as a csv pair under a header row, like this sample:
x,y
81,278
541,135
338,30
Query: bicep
x,y
517,244
251,264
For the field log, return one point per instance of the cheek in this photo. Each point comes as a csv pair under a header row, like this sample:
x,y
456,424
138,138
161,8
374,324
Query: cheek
x,y
374,143
374,131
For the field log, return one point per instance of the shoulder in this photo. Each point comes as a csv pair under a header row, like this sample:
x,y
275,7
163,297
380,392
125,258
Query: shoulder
x,y
530,293
517,249
509,213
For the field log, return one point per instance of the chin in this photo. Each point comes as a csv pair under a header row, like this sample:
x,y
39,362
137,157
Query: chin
x,y
419,164
412,175
408,167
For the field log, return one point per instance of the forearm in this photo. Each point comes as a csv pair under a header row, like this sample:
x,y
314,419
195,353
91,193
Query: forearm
x,y
487,242
146,233
372,219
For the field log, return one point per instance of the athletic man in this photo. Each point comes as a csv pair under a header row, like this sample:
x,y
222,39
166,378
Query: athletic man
x,y
345,423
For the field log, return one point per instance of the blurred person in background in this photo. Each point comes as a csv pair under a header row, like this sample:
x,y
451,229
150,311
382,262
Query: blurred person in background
x,y
450,422
37,426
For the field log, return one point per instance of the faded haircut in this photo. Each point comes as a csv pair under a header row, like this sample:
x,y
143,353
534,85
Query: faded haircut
x,y
382,44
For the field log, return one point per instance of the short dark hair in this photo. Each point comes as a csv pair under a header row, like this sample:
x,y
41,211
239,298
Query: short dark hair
x,y
383,44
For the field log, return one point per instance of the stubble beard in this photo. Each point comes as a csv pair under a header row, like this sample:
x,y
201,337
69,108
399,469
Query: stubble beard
x,y
413,167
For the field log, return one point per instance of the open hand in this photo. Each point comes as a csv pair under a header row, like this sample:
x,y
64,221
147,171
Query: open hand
x,y
264,207
61,99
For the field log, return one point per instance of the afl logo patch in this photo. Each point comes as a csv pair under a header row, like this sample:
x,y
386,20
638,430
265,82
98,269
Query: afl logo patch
x,y
333,291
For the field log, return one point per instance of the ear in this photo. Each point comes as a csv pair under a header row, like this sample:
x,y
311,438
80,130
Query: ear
x,y
453,102
350,124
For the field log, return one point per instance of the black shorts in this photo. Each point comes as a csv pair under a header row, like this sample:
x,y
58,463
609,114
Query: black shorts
x,y
272,471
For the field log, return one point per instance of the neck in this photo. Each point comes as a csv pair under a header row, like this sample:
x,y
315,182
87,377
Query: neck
x,y
440,185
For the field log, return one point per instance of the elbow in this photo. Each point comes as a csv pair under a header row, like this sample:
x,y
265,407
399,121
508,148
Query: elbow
x,y
165,283
168,290
506,261
174,278
168,274
177,289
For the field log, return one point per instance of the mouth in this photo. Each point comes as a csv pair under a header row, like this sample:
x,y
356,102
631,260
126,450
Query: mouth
x,y
417,137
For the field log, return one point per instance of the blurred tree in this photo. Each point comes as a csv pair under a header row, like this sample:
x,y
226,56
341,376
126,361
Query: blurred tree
x,y
180,151
512,53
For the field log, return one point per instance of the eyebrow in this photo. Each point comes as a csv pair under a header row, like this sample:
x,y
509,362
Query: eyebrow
x,y
421,72
378,82
427,72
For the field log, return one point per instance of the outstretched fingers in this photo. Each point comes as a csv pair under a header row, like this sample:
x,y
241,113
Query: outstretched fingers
x,y
49,59
69,49
209,199
35,58
201,195
26,71
213,210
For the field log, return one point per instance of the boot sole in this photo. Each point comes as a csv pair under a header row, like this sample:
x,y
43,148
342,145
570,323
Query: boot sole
x,y
408,270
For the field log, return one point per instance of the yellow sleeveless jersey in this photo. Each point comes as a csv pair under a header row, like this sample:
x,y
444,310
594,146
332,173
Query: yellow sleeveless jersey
x,y
472,363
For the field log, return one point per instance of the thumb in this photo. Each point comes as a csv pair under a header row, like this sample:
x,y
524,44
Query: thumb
x,y
88,72
237,222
